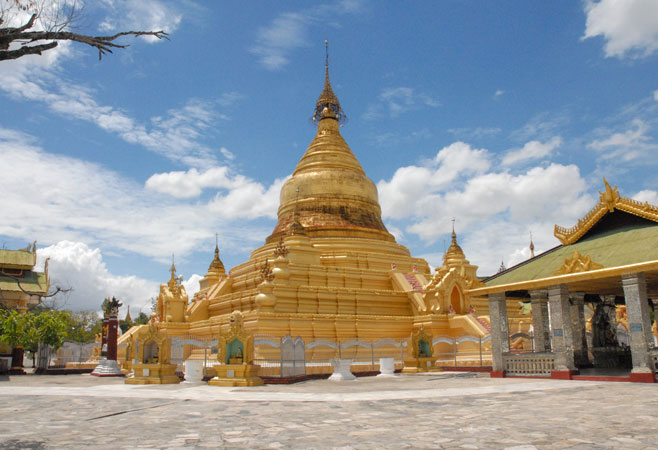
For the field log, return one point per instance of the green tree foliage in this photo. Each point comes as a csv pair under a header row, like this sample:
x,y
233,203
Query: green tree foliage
x,y
125,325
83,326
12,327
142,319
29,329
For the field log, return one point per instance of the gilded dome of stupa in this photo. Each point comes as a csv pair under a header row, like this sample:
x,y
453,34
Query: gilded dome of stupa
x,y
329,194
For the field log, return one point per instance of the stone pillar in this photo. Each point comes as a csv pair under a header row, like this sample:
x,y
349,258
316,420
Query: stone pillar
x,y
558,297
104,331
499,332
542,335
112,335
577,312
639,324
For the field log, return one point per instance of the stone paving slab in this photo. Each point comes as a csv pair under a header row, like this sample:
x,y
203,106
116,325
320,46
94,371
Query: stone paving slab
x,y
406,412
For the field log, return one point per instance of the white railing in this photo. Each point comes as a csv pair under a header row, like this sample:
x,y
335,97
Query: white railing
x,y
535,364
475,353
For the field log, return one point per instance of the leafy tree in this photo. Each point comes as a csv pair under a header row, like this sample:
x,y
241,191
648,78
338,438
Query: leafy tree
x,y
13,326
47,26
83,326
142,319
29,329
125,325
50,328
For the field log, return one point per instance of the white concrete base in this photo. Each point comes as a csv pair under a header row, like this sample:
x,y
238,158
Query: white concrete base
x,y
193,371
342,370
107,368
387,367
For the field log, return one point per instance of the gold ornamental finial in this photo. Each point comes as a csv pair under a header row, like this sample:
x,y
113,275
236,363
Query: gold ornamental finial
x,y
173,281
610,197
172,269
532,247
328,106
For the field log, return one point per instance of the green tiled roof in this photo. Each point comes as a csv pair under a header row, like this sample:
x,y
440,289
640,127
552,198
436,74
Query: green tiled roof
x,y
34,282
19,259
619,247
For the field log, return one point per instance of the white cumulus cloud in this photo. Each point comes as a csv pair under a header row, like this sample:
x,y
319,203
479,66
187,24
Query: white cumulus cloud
x,y
399,196
70,199
140,15
629,27
647,195
628,145
532,150
76,265
190,183
495,210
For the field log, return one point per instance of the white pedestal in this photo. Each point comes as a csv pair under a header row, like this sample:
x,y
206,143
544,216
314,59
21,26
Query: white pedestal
x,y
107,368
386,367
193,371
342,370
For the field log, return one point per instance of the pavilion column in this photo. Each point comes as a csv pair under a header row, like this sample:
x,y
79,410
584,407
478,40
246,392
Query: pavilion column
x,y
540,326
558,298
499,331
577,311
637,309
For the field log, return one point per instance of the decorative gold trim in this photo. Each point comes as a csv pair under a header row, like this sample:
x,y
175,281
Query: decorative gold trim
x,y
608,202
543,283
577,263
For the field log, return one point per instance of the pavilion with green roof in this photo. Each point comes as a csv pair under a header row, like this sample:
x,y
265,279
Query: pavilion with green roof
x,y
21,287
610,256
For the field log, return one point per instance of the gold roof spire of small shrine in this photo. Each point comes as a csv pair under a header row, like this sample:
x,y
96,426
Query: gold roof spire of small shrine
x,y
454,254
217,265
173,282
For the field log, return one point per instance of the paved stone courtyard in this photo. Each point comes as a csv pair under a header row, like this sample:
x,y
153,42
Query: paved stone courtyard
x,y
441,410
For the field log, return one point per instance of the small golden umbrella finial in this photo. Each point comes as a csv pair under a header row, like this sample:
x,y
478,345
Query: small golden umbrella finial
x,y
328,105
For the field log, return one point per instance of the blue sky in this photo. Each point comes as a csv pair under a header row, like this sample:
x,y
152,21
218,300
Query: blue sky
x,y
504,115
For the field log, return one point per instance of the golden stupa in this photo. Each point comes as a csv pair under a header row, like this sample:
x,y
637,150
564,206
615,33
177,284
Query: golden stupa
x,y
330,270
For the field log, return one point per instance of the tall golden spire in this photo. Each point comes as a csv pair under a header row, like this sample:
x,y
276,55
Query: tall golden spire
x,y
329,194
173,281
217,265
532,247
328,105
454,255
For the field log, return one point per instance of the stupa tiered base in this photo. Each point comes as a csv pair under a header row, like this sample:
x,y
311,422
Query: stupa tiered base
x,y
107,368
236,375
154,374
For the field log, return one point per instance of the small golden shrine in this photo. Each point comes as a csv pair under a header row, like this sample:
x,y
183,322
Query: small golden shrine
x,y
153,356
172,300
421,358
236,356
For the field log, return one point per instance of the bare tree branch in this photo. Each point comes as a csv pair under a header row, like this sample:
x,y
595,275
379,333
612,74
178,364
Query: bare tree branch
x,y
26,50
104,44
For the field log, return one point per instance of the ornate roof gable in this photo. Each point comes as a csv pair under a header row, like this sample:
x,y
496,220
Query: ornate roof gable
x,y
609,200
